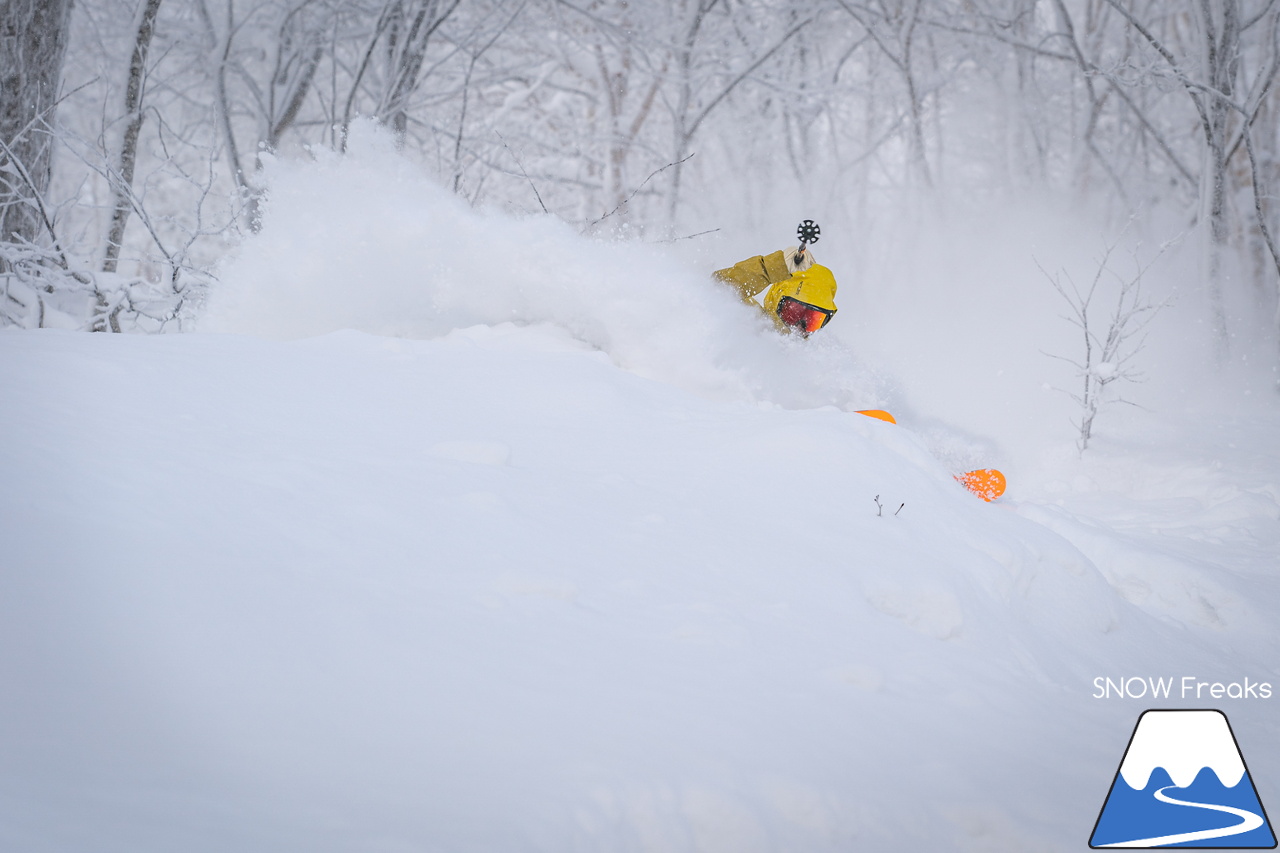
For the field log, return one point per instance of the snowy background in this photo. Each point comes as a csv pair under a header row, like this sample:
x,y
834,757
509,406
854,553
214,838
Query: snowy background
x,y
438,523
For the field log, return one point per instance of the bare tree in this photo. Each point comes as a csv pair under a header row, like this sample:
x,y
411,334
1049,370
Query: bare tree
x,y
412,24
400,36
895,28
269,84
126,162
629,99
1224,117
33,40
1109,344
701,81
613,58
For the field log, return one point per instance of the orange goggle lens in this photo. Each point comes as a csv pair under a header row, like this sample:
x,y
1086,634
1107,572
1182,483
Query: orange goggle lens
x,y
802,316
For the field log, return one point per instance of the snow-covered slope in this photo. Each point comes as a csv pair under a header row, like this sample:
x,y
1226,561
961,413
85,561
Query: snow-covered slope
x,y
531,579
491,591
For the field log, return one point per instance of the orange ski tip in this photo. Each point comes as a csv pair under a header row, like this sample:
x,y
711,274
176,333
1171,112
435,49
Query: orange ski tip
x,y
879,414
986,483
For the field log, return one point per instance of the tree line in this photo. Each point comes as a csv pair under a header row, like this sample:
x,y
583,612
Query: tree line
x,y
132,132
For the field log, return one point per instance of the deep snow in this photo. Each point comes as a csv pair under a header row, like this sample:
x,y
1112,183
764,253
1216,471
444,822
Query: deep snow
x,y
458,537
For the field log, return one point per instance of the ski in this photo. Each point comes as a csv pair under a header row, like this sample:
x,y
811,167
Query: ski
x,y
986,483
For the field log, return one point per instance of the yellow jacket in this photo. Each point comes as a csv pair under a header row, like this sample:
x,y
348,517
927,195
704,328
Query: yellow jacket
x,y
815,286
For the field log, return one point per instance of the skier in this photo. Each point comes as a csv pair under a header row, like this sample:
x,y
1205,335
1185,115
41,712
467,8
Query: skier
x,y
801,300
801,296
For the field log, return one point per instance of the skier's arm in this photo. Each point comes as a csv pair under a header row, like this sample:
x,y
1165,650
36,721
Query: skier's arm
x,y
753,275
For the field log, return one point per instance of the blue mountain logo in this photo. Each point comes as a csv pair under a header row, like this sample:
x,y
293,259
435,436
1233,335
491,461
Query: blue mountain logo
x,y
1183,783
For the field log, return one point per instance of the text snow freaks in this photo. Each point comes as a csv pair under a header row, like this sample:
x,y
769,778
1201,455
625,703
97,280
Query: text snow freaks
x,y
1186,687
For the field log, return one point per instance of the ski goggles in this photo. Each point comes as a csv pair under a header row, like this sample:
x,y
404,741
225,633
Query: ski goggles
x,y
802,316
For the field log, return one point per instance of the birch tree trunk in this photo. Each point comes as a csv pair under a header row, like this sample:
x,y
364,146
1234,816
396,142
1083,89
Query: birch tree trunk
x,y
122,178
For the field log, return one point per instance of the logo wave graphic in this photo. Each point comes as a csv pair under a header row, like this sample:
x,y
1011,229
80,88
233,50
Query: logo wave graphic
x,y
1183,783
